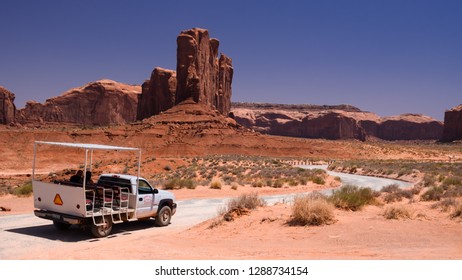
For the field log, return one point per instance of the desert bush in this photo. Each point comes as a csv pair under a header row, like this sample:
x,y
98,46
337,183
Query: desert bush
x,y
279,183
216,185
393,188
351,197
257,184
395,193
318,180
453,191
445,204
234,186
429,180
177,183
452,181
433,194
245,201
312,209
24,190
187,183
396,212
457,213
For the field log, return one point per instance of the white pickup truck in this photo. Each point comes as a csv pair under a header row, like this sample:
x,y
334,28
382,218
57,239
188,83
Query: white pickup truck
x,y
114,198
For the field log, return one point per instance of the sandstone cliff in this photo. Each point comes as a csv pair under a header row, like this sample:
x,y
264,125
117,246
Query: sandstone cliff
x,y
333,122
7,107
200,76
453,124
158,93
409,127
98,103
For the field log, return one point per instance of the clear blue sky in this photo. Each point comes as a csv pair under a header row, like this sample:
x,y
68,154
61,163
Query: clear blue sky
x,y
389,57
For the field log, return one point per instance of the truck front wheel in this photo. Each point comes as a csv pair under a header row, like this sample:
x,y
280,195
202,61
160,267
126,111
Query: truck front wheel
x,y
102,230
164,216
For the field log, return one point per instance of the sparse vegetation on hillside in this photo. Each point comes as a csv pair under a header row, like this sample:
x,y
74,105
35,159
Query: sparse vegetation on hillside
x,y
241,170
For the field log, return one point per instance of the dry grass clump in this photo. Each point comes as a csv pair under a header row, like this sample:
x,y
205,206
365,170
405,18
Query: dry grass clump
x,y
351,197
397,212
249,201
394,193
312,210
445,204
457,213
216,185
236,207
432,194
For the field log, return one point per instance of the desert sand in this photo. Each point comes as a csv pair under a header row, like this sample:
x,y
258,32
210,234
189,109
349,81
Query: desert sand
x,y
265,234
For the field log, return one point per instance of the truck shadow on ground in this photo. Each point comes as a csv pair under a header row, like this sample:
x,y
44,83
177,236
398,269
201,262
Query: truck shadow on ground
x,y
75,234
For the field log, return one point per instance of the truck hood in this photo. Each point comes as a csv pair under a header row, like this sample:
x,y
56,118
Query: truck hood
x,y
166,194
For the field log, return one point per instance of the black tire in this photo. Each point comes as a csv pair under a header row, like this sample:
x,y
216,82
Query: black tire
x,y
61,226
102,230
164,216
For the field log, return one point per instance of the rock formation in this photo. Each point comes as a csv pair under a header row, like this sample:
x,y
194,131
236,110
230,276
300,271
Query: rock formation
x,y
409,127
98,103
453,124
200,75
333,122
158,93
7,107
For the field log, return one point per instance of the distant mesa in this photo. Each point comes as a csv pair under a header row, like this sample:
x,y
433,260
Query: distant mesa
x,y
333,122
453,124
97,103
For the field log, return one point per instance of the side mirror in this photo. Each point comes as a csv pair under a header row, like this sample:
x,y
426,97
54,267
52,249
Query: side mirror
x,y
156,191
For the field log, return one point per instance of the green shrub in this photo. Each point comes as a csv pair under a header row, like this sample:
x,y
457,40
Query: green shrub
x,y
318,180
433,194
351,197
24,190
312,209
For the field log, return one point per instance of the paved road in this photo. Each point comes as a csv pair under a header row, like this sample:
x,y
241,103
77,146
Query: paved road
x,y
21,233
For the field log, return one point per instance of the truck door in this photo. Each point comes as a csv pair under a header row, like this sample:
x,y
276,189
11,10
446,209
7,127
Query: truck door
x,y
146,203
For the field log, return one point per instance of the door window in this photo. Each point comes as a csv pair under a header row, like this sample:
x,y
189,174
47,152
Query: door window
x,y
144,187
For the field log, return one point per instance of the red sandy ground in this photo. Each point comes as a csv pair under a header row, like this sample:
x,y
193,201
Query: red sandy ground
x,y
265,234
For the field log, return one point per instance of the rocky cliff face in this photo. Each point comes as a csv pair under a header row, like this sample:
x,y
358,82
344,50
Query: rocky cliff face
x,y
200,75
409,127
333,122
453,124
7,107
98,103
158,93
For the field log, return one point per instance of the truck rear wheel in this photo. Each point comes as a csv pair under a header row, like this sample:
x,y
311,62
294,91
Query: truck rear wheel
x,y
164,216
102,230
